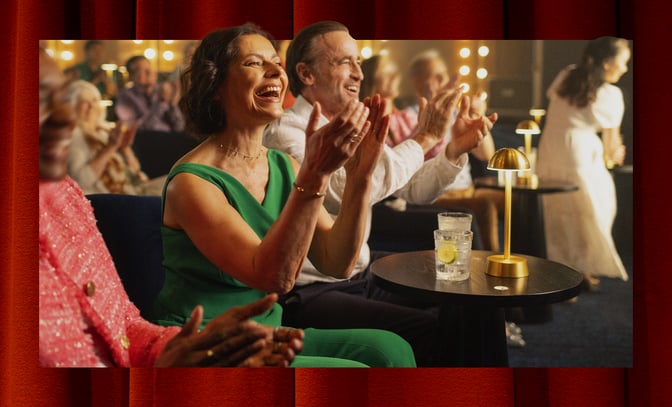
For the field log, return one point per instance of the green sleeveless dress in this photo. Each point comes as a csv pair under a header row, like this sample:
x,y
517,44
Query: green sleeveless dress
x,y
191,279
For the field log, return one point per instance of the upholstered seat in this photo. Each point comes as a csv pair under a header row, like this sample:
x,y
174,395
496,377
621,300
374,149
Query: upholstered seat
x,y
410,229
130,226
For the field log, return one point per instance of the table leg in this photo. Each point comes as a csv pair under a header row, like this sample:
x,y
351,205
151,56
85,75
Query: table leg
x,y
527,230
528,237
474,336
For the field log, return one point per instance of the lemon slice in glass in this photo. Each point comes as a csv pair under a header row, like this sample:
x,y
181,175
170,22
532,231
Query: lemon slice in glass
x,y
447,252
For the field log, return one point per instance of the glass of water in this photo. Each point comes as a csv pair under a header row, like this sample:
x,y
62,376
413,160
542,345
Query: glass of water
x,y
454,220
452,252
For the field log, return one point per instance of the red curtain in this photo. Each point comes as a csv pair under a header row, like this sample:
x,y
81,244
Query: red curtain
x,y
22,383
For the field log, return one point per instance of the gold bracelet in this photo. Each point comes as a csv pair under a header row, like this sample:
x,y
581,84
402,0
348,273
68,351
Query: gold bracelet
x,y
302,189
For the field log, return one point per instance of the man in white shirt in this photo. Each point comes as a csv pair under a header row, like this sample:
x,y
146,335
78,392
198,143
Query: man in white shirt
x,y
323,66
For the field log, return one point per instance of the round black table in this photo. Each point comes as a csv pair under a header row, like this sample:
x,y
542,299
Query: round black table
x,y
471,312
527,230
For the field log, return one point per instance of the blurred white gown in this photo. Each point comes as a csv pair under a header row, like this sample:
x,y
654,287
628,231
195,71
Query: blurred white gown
x,y
578,224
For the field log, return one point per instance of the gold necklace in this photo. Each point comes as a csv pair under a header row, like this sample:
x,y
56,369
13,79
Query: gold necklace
x,y
238,153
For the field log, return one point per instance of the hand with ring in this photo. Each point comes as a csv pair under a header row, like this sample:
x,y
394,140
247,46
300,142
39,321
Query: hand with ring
x,y
330,146
371,147
229,339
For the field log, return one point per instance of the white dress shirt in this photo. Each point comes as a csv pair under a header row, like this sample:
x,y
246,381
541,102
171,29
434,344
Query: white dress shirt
x,y
401,171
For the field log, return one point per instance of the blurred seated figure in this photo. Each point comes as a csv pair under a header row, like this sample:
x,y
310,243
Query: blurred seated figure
x,y
85,316
381,76
429,75
91,69
101,158
144,104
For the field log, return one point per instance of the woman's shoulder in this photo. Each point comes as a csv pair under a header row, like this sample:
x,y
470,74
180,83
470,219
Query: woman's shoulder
x,y
280,159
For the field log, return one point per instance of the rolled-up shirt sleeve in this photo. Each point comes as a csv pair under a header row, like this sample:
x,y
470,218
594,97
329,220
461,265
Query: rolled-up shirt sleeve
x,y
431,180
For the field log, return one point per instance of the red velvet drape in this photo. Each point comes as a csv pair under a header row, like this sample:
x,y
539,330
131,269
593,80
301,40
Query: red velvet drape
x,y
22,383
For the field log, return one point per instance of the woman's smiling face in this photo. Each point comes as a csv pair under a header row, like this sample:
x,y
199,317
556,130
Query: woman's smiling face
x,y
256,83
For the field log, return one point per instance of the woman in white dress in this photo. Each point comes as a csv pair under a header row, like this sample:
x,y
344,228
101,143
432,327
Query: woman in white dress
x,y
584,102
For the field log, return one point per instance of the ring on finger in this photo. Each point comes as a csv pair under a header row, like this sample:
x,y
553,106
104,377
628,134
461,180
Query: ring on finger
x,y
277,347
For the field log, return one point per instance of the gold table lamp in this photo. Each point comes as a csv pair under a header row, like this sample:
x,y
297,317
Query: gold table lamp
x,y
508,160
528,128
537,114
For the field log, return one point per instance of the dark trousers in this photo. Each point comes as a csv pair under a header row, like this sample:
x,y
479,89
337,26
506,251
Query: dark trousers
x,y
359,303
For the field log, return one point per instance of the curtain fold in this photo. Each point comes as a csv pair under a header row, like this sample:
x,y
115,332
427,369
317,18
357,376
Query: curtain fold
x,y
570,19
23,23
439,19
175,19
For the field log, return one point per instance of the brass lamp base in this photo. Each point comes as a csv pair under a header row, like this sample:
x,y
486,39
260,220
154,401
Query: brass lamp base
x,y
501,266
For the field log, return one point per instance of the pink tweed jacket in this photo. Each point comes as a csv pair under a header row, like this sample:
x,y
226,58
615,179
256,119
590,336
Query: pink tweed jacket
x,y
86,318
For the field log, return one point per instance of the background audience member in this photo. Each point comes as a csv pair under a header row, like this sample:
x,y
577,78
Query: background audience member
x,y
428,73
323,66
91,69
142,105
176,74
239,220
85,316
381,76
584,102
101,158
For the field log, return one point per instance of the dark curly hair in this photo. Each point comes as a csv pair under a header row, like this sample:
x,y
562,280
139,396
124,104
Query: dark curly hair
x,y
205,74
581,84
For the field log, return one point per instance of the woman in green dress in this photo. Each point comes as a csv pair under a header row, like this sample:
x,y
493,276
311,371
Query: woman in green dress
x,y
239,220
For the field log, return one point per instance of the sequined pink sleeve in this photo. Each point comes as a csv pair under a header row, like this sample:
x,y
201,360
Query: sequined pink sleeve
x,y
86,317
147,340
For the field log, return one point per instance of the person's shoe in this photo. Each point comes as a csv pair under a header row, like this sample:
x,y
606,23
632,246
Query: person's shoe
x,y
512,328
514,335
515,341
590,283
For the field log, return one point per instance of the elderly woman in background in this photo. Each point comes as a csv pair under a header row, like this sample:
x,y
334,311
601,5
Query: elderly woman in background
x,y
85,317
584,102
101,158
239,219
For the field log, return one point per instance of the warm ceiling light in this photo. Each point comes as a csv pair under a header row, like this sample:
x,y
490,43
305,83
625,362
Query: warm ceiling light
x,y
168,55
67,55
465,52
481,73
483,51
464,70
150,53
